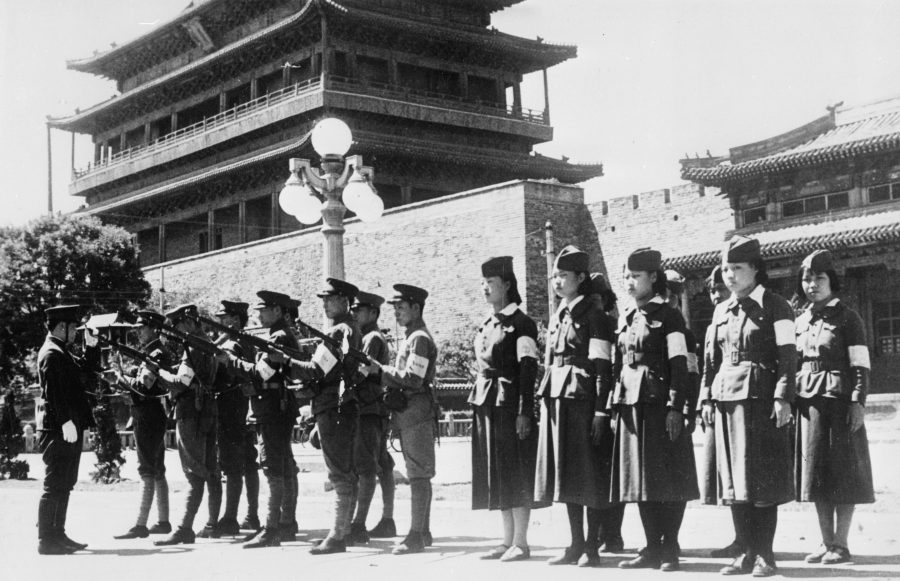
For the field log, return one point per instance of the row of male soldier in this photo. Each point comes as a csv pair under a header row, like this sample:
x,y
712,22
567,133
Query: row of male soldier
x,y
346,403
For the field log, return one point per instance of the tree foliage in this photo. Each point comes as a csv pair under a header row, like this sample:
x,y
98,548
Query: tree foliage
x,y
60,259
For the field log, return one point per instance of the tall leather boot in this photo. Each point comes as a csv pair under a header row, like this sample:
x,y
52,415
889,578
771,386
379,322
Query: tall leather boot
x,y
48,542
288,525
591,556
611,529
60,524
228,524
251,482
649,556
214,505
270,536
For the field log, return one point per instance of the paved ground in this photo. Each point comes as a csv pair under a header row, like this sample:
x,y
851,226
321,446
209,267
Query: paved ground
x,y
97,512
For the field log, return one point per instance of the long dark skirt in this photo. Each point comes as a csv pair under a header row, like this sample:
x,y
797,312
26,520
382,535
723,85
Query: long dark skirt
x,y
647,466
755,460
569,467
502,464
709,478
832,464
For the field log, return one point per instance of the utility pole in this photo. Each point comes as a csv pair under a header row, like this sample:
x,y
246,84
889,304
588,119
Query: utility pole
x,y
550,254
49,173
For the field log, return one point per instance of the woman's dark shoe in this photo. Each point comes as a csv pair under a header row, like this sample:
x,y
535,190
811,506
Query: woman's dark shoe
x,y
414,542
494,553
816,556
329,546
742,565
644,560
616,545
590,558
764,567
516,553
267,538
181,536
135,532
251,523
385,529
161,528
837,555
569,557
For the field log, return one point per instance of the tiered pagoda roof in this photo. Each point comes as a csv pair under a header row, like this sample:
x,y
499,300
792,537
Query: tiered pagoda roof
x,y
843,135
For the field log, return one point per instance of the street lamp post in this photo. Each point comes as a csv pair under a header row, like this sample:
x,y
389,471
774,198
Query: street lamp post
x,y
339,185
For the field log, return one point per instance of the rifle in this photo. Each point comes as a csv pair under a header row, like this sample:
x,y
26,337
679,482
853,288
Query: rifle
x,y
347,352
195,342
151,364
257,343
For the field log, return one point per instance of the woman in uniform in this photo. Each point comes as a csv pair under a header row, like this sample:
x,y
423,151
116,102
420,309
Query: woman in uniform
x,y
573,421
504,443
747,391
833,468
653,458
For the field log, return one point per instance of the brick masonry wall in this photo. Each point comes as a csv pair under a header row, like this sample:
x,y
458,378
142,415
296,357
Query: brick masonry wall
x,y
438,245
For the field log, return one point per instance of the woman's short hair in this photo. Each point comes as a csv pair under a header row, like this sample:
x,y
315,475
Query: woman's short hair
x,y
833,279
584,287
659,285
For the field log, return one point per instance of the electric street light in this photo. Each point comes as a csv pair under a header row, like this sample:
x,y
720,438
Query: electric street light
x,y
303,192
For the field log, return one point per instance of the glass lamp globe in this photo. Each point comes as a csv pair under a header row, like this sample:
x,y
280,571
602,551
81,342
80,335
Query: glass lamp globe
x,y
293,191
308,209
371,207
331,137
356,190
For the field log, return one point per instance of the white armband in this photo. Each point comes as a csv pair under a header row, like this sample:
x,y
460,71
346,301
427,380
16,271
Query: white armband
x,y
600,349
417,365
265,370
185,374
676,344
784,333
324,359
526,347
859,356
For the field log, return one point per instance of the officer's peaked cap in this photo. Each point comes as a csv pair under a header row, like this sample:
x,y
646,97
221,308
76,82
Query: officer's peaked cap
x,y
181,311
62,314
146,316
269,298
237,308
369,299
408,293
335,287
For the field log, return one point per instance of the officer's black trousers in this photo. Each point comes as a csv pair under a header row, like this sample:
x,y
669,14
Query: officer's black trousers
x,y
61,459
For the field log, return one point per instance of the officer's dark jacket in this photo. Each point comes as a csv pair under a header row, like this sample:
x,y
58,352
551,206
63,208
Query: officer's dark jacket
x,y
651,357
369,390
831,344
326,371
143,395
62,388
273,402
232,389
196,398
503,341
753,351
577,358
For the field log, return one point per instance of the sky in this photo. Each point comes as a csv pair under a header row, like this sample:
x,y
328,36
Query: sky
x,y
654,79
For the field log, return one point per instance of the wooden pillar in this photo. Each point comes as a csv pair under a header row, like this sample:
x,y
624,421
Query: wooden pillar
x,y
326,52
405,195
210,230
174,122
162,242
501,91
314,67
254,88
286,75
98,152
464,85
242,221
123,143
275,214
517,96
148,133
223,102
546,99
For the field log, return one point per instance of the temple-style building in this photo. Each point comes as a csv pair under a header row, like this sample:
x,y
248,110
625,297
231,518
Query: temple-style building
x,y
192,152
833,183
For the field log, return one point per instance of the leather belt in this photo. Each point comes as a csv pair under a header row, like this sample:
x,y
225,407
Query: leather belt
x,y
272,385
632,358
492,373
816,365
563,360
736,356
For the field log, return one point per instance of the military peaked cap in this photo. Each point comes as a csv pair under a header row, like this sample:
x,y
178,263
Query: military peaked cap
x,y
674,281
273,299
335,287
408,293
62,314
179,312
599,284
819,261
645,260
741,249
369,299
236,308
146,316
572,259
498,266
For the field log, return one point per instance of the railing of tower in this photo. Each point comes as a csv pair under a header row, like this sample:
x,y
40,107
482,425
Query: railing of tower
x,y
224,118
433,98
334,82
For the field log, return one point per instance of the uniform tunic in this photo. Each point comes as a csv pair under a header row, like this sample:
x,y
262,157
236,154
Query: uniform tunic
x,y
832,464
369,437
237,452
651,365
578,374
502,464
149,414
753,362
62,390
413,373
196,414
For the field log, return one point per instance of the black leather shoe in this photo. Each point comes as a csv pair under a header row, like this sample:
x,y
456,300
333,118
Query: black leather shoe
x,y
385,529
161,528
742,565
267,538
181,536
494,553
569,557
642,561
135,532
730,552
53,547
328,546
209,532
288,531
74,545
616,545
358,533
836,555
251,522
414,542
764,567
427,539
228,527
816,557
669,565
590,558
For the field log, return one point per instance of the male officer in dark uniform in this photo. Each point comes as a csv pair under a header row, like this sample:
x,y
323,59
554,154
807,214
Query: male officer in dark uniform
x,y
148,415
334,407
413,376
195,426
275,410
370,437
236,442
66,415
